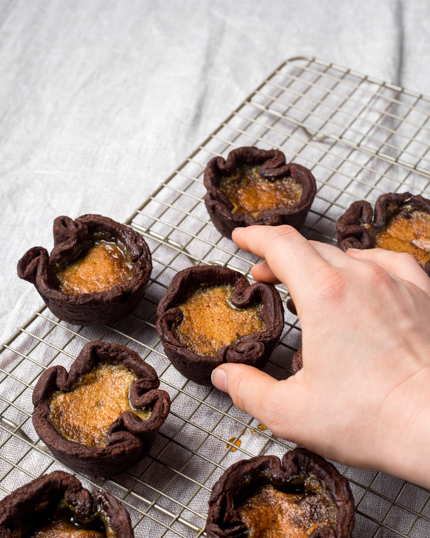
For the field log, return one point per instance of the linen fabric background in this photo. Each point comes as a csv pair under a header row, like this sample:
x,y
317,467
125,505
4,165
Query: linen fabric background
x,y
101,99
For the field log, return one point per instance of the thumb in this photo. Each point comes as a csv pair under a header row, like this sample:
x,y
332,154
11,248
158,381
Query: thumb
x,y
277,404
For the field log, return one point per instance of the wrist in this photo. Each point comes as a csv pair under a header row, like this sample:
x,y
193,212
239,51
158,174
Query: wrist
x,y
403,431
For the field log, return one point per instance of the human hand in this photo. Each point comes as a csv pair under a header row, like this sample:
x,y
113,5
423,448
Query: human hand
x,y
362,397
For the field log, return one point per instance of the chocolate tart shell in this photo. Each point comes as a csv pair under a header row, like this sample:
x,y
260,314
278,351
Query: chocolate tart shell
x,y
297,362
71,237
350,230
223,518
129,438
254,349
272,165
20,505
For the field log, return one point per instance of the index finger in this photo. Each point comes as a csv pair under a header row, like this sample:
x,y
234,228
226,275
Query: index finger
x,y
291,257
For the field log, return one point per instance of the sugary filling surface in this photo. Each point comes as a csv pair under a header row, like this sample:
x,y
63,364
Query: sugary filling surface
x,y
273,513
64,529
250,193
99,268
407,231
85,413
211,322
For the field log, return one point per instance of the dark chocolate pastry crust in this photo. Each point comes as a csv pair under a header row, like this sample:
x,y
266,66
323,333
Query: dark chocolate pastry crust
x,y
272,165
129,438
297,362
16,507
70,237
350,230
254,349
223,519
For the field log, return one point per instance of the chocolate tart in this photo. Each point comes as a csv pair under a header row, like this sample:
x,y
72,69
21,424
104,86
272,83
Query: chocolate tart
x,y
96,274
56,505
225,319
399,222
301,496
91,417
297,362
255,186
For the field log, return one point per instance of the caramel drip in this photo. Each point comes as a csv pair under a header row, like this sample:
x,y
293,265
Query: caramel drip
x,y
250,193
272,513
211,322
62,529
261,427
85,413
407,231
100,268
237,443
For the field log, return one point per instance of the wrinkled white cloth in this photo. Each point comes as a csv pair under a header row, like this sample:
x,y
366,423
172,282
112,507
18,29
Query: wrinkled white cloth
x,y
100,100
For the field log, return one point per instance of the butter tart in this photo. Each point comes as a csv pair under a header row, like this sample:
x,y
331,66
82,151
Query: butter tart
x,y
56,505
255,186
210,315
399,222
302,496
96,274
103,415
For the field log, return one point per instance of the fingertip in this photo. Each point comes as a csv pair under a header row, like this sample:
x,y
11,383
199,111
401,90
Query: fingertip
x,y
247,386
239,234
256,271
236,232
277,404
262,273
219,379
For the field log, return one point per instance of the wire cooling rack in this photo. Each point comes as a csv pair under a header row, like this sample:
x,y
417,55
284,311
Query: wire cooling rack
x,y
361,137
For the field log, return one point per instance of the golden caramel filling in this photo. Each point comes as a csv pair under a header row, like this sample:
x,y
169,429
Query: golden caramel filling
x,y
100,268
211,322
85,413
63,529
272,513
407,231
250,193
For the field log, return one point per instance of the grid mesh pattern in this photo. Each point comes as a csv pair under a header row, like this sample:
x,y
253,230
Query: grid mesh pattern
x,y
361,137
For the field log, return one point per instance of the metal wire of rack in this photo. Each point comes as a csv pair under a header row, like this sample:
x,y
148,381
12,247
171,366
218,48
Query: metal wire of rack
x,y
361,137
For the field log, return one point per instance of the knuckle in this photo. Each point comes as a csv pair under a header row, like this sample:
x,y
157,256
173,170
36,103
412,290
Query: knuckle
x,y
378,275
280,233
332,284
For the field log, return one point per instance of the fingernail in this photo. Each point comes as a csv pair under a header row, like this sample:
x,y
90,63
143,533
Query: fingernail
x,y
219,379
354,250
